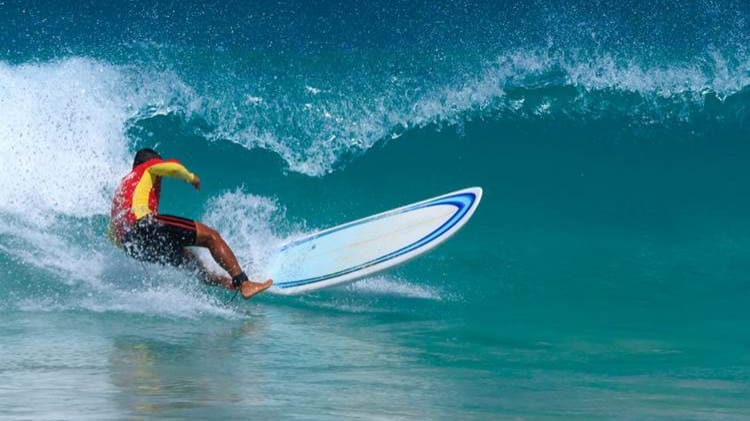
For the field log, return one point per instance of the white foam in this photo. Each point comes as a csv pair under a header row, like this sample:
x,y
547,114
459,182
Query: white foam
x,y
162,300
712,74
62,134
169,301
253,99
250,225
312,90
68,261
383,285
103,279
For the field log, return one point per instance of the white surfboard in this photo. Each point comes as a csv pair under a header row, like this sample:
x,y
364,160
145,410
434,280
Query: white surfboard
x,y
355,250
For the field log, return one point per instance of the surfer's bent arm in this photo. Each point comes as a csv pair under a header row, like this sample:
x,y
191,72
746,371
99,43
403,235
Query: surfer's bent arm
x,y
172,168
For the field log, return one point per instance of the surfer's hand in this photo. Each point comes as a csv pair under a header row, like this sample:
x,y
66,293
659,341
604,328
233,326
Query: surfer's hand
x,y
196,182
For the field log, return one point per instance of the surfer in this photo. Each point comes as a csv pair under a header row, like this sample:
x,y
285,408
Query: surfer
x,y
137,227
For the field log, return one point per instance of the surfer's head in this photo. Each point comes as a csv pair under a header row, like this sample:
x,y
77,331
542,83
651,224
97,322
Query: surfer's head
x,y
143,155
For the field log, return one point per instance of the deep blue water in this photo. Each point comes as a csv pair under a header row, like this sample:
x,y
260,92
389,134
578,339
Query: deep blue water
x,y
605,273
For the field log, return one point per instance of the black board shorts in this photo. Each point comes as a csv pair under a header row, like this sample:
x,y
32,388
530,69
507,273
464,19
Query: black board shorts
x,y
160,239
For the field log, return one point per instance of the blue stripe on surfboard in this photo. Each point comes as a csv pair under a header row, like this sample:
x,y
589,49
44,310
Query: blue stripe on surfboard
x,y
462,202
377,217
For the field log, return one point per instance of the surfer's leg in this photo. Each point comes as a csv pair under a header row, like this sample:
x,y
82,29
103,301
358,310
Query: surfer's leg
x,y
192,262
209,238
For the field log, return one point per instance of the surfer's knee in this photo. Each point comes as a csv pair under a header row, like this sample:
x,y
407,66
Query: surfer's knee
x,y
206,236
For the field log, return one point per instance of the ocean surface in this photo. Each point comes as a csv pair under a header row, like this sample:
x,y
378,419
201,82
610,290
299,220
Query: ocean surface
x,y
606,273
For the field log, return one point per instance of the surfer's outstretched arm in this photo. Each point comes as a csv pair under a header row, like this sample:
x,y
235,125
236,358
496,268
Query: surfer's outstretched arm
x,y
173,168
208,237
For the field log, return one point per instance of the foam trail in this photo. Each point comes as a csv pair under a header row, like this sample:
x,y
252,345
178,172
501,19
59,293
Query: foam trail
x,y
384,285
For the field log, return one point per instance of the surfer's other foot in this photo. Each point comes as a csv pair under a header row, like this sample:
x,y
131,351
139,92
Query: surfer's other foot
x,y
248,289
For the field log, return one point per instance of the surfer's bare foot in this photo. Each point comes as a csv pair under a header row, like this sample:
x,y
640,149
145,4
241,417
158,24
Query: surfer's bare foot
x,y
248,289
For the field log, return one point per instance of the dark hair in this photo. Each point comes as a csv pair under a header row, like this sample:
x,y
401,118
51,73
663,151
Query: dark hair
x,y
143,155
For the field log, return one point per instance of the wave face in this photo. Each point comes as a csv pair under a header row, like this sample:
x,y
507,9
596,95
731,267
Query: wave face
x,y
611,142
335,90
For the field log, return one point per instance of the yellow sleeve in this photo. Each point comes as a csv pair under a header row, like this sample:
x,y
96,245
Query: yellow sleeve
x,y
172,169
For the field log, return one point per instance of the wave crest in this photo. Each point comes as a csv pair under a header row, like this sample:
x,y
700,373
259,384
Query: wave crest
x,y
314,130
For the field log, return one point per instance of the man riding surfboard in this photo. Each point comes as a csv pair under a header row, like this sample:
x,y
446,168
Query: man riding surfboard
x,y
144,234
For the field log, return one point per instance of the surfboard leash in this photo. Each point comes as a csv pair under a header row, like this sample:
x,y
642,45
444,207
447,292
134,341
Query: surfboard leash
x,y
237,291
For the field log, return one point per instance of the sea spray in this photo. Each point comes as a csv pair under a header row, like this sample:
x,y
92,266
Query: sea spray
x,y
63,133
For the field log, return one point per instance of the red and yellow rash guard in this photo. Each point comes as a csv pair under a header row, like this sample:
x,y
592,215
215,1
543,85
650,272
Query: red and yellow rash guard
x,y
138,194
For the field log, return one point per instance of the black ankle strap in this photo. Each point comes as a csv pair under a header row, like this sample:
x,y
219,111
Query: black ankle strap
x,y
239,279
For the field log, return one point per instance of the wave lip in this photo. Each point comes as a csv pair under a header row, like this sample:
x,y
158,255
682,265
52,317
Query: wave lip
x,y
75,112
316,129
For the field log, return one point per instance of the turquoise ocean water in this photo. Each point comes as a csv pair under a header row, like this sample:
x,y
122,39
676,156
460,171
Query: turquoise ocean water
x,y
604,275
